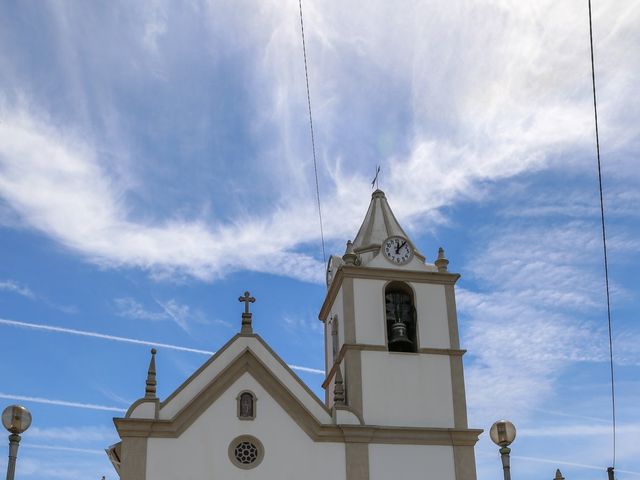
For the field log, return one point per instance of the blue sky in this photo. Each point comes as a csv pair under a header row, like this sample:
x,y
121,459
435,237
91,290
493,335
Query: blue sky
x,y
155,163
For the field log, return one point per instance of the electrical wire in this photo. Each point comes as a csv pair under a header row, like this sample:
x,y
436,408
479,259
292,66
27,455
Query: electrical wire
x,y
604,238
313,141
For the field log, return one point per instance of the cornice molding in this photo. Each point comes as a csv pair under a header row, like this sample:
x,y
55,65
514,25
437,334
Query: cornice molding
x,y
376,273
318,432
451,352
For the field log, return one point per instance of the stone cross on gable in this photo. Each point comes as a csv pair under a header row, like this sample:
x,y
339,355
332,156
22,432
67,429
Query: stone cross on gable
x,y
246,329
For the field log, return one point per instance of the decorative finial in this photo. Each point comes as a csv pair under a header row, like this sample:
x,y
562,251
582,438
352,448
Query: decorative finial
x,y
246,329
150,389
350,257
338,389
558,475
374,182
442,261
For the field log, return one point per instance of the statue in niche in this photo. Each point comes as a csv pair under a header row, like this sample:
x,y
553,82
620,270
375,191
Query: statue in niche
x,y
246,405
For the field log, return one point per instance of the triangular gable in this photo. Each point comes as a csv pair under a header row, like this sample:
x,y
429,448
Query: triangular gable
x,y
242,354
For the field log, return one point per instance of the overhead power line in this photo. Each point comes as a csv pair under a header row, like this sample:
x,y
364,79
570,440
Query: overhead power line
x,y
604,241
313,141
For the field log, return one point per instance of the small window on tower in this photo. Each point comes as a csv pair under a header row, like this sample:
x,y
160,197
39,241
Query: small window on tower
x,y
400,316
335,342
246,406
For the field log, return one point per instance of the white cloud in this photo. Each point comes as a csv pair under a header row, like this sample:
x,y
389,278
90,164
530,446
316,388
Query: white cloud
x,y
540,310
505,92
130,308
17,288
181,314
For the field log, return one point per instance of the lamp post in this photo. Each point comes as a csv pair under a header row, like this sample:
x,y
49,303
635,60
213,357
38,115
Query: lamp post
x,y
503,433
16,419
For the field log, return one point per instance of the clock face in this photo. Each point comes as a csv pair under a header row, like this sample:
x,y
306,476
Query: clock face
x,y
397,250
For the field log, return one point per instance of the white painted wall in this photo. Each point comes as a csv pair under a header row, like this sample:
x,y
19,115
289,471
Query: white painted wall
x,y
369,311
411,462
431,307
407,389
201,451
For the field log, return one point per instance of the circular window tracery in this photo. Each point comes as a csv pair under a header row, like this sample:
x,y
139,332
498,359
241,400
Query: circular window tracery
x,y
246,452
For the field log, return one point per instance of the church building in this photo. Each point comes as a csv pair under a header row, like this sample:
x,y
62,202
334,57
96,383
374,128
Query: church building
x,y
394,406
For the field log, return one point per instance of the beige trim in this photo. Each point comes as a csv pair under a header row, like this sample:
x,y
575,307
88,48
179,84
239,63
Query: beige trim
x,y
133,464
353,380
382,348
225,347
458,393
414,276
245,438
326,359
357,461
195,374
452,316
465,462
352,361
455,363
349,307
248,362
139,402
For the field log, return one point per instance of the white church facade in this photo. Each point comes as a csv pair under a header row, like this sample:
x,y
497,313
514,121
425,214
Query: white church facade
x,y
394,405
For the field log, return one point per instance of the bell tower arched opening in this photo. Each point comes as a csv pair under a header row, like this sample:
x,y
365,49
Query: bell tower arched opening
x,y
400,316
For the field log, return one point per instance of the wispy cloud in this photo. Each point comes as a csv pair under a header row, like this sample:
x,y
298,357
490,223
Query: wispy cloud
x,y
181,314
532,314
17,288
129,308
504,117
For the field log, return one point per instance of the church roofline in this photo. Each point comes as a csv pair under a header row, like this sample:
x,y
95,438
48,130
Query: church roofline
x,y
222,350
379,224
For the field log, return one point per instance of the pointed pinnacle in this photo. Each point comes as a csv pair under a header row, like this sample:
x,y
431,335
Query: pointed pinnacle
x,y
442,261
150,389
350,257
558,475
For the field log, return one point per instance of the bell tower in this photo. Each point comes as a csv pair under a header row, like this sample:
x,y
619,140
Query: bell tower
x,y
392,350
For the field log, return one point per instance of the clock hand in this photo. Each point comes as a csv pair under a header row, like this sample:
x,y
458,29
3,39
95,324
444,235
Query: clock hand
x,y
398,248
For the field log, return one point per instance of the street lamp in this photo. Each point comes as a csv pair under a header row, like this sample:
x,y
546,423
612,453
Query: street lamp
x,y
16,419
503,433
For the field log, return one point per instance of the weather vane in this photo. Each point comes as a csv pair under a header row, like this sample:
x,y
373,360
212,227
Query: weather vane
x,y
374,182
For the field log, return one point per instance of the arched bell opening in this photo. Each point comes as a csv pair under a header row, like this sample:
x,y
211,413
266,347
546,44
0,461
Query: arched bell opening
x,y
400,314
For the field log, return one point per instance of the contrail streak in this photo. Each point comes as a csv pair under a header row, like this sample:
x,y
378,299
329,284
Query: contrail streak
x,y
63,449
135,341
571,464
62,403
83,333
561,462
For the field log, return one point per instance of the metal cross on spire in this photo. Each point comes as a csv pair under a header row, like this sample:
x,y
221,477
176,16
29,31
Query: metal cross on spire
x,y
246,329
374,182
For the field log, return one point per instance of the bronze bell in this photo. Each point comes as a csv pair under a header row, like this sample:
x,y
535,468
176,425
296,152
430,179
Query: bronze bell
x,y
399,338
